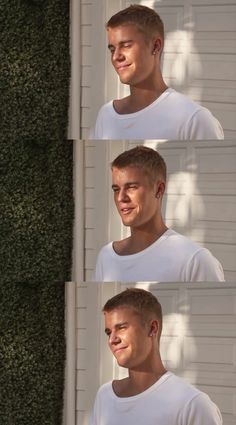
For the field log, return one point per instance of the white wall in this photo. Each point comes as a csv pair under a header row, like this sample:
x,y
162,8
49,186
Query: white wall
x,y
198,341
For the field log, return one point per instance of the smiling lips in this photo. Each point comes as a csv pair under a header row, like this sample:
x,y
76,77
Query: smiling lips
x,y
122,67
118,350
126,210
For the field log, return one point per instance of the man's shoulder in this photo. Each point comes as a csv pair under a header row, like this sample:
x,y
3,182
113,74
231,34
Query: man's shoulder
x,y
197,407
106,249
104,391
182,386
106,108
200,122
185,393
178,240
185,105
200,262
182,244
182,98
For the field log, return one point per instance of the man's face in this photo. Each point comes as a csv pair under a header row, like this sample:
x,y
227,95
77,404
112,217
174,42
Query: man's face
x,y
131,54
128,338
134,196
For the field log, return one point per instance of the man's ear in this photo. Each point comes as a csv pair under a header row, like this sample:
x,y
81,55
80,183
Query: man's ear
x,y
154,326
157,45
160,189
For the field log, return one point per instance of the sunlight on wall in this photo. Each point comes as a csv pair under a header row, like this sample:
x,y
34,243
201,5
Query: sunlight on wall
x,y
179,51
181,208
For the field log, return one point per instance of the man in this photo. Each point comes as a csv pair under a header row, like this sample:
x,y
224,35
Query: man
x,y
150,394
152,110
152,252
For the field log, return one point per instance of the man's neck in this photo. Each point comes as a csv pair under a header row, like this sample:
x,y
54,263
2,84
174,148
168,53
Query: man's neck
x,y
140,97
137,382
140,239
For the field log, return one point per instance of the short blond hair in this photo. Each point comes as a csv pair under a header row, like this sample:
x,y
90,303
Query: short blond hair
x,y
143,302
144,18
149,160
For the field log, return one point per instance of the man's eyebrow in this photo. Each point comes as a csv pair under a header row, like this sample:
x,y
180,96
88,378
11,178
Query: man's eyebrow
x,y
126,184
117,326
120,43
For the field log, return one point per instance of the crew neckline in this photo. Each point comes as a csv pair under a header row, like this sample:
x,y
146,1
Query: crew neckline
x,y
153,387
163,95
166,234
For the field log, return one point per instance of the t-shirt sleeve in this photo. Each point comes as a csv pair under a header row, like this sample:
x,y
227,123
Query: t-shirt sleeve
x,y
204,126
204,267
201,411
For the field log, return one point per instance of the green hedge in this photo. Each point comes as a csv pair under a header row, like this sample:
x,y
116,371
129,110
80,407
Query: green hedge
x,y
36,211
36,208
34,68
31,354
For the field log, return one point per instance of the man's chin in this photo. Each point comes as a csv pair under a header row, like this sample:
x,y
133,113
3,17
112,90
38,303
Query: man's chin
x,y
122,364
125,223
124,81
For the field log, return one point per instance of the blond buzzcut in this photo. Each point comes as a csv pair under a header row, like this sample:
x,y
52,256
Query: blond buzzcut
x,y
144,18
145,158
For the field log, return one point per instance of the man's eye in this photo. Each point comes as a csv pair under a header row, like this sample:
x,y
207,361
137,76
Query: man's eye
x,y
127,45
115,189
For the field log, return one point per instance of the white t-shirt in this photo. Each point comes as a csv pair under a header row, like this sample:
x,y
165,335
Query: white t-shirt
x,y
170,401
171,116
171,258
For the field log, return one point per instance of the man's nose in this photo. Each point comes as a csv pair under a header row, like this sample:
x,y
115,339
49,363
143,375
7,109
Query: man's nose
x,y
113,339
117,55
122,196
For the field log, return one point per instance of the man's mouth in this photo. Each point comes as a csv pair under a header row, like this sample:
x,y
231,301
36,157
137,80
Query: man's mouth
x,y
118,350
125,211
122,67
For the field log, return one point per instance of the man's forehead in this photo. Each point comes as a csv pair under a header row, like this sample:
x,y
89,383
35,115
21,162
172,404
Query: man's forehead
x,y
120,312
130,173
125,31
128,169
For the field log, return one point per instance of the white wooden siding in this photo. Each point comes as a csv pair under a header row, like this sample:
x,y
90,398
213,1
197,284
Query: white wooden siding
x,y
86,21
200,199
198,340
199,57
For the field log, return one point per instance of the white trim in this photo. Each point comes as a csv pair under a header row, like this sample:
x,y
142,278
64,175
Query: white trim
x,y
74,101
98,35
70,329
78,234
